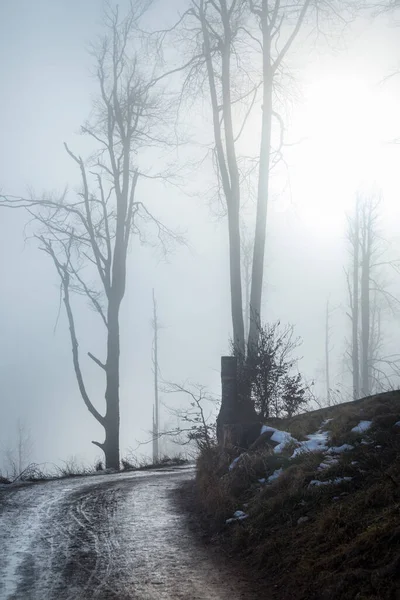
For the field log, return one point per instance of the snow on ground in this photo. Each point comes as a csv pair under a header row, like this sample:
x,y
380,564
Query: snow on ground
x,y
274,475
266,428
282,438
233,463
340,449
336,481
362,426
328,462
20,521
239,515
25,513
316,442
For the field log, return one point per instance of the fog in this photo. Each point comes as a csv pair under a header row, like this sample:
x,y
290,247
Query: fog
x,y
340,117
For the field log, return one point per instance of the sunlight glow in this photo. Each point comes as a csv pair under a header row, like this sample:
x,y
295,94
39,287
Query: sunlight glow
x,y
347,127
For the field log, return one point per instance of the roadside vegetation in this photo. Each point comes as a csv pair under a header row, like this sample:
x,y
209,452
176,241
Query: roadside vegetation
x,y
314,510
73,468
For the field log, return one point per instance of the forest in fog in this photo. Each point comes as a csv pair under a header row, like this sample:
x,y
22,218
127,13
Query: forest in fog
x,y
182,180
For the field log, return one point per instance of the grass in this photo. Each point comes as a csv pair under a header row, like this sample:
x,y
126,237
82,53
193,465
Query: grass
x,y
325,542
72,468
145,464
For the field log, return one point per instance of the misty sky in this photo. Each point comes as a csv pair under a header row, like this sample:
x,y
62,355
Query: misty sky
x,y
345,117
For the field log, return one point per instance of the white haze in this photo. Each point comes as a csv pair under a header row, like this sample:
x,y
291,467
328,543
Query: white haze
x,y
348,117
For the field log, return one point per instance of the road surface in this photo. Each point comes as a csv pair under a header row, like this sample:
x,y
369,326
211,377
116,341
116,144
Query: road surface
x,y
116,536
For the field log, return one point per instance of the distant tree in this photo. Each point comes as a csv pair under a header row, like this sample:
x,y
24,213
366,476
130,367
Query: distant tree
x,y
369,296
18,457
87,235
327,352
354,300
156,405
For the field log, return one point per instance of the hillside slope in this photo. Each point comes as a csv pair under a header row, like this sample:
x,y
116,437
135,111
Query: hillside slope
x,y
315,508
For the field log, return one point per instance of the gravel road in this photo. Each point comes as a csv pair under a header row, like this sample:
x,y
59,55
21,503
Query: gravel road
x,y
118,536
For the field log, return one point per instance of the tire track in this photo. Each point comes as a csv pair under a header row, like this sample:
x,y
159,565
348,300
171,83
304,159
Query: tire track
x,y
119,537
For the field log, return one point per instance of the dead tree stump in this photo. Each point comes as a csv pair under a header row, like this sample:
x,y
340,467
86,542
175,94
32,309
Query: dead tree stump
x,y
238,423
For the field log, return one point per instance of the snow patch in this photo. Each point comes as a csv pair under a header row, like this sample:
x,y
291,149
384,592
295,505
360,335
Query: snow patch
x,y
266,428
282,438
302,520
238,515
316,442
233,463
274,475
328,462
340,449
362,426
336,481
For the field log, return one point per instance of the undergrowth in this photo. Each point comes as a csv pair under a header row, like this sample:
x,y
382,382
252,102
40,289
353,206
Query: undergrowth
x,y
315,542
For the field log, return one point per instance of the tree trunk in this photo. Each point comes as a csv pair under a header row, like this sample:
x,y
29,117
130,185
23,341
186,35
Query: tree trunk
x,y
327,369
111,442
355,307
236,281
247,284
238,423
227,163
156,401
263,189
365,308
111,421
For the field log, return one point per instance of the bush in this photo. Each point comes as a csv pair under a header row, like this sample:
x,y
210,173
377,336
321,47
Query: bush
x,y
276,389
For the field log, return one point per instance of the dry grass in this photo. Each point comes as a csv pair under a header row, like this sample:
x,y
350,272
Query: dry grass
x,y
327,542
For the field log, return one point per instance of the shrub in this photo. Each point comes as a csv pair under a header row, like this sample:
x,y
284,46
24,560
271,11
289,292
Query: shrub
x,y
276,389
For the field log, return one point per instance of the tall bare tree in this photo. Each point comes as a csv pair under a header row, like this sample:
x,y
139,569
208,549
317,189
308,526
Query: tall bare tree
x,y
274,19
327,352
236,52
238,48
19,457
369,295
354,299
156,406
87,235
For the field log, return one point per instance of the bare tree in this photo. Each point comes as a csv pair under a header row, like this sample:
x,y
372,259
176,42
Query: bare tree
x,y
156,406
354,303
236,51
18,458
87,236
238,48
369,295
273,18
327,352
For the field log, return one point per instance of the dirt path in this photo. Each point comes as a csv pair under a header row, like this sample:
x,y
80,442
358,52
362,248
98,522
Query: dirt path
x,y
110,537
